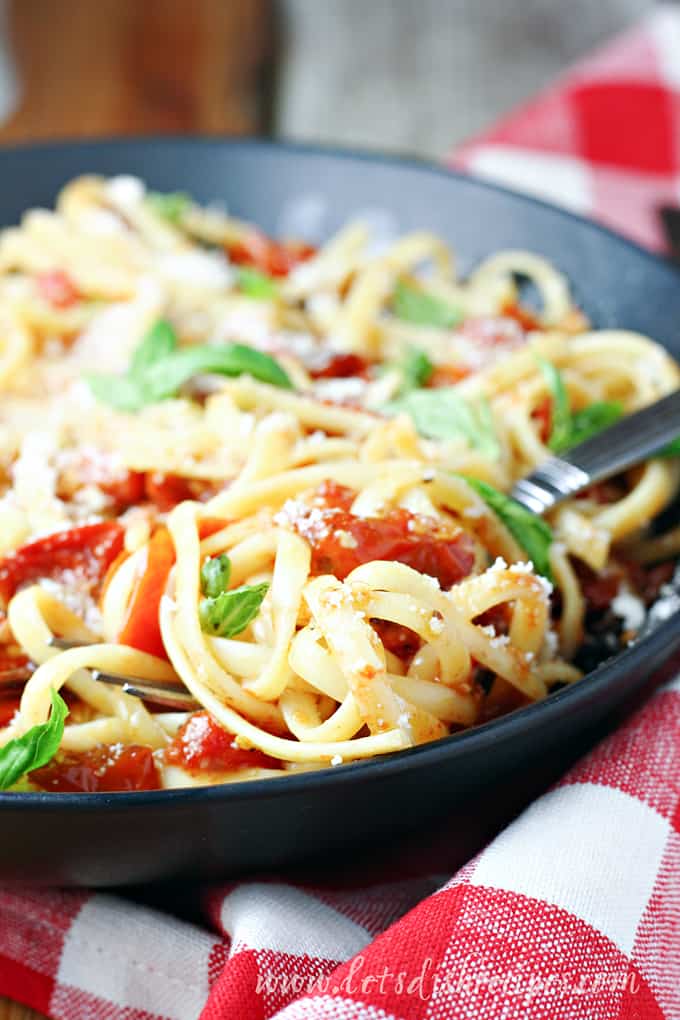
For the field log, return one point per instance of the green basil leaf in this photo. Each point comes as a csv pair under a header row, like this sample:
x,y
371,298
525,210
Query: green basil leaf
x,y
170,206
415,370
424,309
35,748
215,574
118,391
160,341
158,369
592,419
560,433
255,284
444,414
671,449
530,531
165,377
230,613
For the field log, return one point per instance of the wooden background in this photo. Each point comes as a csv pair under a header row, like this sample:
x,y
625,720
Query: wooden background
x,y
107,67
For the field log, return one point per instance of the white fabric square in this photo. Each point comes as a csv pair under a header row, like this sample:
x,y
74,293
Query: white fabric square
x,y
264,915
591,850
136,958
560,179
664,28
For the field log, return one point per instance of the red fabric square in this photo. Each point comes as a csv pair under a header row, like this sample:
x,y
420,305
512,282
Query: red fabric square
x,y
628,125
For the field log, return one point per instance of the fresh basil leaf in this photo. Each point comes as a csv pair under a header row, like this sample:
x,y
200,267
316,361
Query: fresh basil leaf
x,y
160,341
592,419
171,206
255,284
530,531
35,748
165,377
118,391
560,432
230,612
158,369
415,370
671,449
571,428
444,414
424,309
215,574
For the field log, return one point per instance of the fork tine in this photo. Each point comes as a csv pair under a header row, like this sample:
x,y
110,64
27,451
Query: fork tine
x,y
64,644
173,695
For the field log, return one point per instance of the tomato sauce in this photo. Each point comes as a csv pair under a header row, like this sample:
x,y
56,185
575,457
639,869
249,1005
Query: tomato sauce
x,y
202,745
275,258
341,541
104,769
86,551
57,288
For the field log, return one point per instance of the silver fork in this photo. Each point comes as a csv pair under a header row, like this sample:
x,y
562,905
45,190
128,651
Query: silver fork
x,y
618,447
168,694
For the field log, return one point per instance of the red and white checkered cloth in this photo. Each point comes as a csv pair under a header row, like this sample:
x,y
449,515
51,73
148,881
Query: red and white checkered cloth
x,y
573,911
605,139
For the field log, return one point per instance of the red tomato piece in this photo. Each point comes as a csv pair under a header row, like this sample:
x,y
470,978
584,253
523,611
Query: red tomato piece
x,y
647,580
598,588
526,319
341,541
57,288
201,745
86,551
142,628
9,704
542,415
125,489
341,366
274,258
10,661
210,526
397,639
166,491
105,769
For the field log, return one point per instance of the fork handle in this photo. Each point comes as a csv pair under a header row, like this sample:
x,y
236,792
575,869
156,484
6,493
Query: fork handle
x,y
630,440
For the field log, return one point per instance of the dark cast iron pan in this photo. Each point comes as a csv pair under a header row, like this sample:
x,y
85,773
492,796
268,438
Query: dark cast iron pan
x,y
109,839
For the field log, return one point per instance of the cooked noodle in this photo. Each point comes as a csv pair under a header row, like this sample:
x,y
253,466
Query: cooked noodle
x,y
400,606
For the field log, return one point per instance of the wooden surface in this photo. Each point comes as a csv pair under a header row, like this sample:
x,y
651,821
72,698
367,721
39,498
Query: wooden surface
x,y
89,68
13,1011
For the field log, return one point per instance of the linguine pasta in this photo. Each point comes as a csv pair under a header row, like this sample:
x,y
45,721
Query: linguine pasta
x,y
276,475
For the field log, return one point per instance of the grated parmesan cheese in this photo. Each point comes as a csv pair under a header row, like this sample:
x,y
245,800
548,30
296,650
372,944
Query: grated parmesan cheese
x,y
629,608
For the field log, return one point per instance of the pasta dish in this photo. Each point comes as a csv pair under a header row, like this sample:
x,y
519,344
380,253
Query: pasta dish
x,y
276,477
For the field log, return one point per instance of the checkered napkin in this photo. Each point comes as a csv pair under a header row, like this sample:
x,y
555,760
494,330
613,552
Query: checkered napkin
x,y
605,139
573,911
